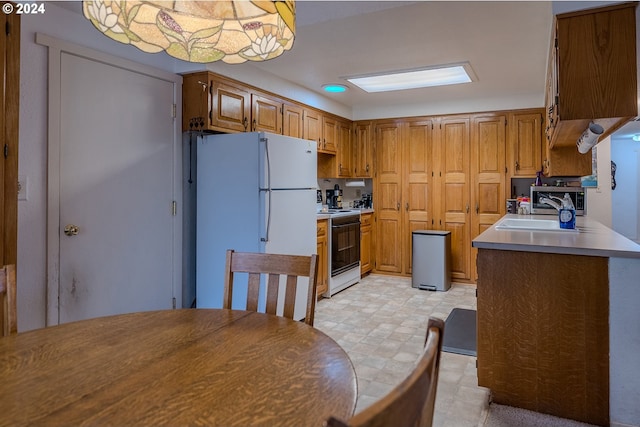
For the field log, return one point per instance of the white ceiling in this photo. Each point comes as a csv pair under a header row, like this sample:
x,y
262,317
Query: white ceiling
x,y
506,43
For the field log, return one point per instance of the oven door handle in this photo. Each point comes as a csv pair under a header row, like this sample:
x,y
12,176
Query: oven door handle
x,y
345,225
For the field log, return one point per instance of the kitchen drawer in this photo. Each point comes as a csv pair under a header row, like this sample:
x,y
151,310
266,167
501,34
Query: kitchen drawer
x,y
366,219
323,225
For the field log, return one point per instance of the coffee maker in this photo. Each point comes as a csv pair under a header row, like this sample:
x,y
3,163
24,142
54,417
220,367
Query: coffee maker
x,y
334,198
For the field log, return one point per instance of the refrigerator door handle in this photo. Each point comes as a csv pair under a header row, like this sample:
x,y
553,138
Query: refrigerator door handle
x,y
266,150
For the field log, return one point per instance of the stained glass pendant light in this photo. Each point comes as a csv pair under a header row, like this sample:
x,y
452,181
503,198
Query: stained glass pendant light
x,y
199,31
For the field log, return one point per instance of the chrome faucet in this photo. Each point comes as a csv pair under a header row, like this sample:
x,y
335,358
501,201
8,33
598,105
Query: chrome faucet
x,y
548,201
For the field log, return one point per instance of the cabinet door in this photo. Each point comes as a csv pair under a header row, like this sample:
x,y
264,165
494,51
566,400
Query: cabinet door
x,y
266,114
597,63
329,135
388,195
344,154
566,161
524,147
363,166
230,106
292,121
487,171
417,149
365,243
323,272
453,149
311,125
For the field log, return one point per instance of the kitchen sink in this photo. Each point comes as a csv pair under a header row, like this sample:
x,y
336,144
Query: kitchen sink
x,y
530,224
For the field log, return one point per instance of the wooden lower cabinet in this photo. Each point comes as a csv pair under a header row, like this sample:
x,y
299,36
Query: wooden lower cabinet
x,y
323,257
543,332
366,241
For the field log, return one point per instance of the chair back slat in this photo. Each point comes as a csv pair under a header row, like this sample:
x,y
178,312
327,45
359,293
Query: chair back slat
x,y
290,296
273,286
253,291
412,402
8,302
273,267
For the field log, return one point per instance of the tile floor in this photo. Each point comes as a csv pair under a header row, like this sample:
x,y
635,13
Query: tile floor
x,y
381,323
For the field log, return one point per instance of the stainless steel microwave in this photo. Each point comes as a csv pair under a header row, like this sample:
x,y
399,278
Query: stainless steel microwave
x,y
578,196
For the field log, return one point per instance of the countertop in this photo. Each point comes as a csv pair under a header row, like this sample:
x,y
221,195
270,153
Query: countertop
x,y
325,215
593,239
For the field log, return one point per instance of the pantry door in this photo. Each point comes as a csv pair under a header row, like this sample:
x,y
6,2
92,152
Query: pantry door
x,y
115,166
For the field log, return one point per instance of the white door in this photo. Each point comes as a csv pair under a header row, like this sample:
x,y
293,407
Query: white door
x,y
116,186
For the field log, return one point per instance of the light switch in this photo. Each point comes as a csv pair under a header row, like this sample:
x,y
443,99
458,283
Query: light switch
x,y
23,187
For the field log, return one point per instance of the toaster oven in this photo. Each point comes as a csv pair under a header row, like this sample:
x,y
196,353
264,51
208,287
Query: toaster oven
x,y
577,194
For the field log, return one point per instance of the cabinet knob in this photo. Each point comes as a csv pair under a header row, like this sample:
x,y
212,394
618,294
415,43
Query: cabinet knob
x,y
406,207
245,122
398,206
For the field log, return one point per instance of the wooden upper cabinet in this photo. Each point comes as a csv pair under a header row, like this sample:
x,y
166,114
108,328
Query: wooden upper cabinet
x,y
230,106
214,103
344,152
312,126
329,135
211,103
292,124
266,114
524,144
363,150
594,54
566,161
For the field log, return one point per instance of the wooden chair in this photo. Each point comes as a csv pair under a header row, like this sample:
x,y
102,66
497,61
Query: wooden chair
x,y
411,403
273,266
8,304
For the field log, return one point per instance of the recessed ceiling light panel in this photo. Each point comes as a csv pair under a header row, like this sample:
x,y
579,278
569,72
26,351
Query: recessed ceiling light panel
x,y
416,78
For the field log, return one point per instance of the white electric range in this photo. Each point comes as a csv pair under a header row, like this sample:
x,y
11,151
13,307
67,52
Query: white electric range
x,y
344,249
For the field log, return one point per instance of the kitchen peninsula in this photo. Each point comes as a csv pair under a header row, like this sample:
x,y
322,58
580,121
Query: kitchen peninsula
x,y
557,322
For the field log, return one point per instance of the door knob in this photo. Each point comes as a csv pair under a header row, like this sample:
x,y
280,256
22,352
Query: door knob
x,y
71,230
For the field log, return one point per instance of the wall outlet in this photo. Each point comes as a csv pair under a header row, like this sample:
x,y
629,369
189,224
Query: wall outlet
x,y
358,193
23,186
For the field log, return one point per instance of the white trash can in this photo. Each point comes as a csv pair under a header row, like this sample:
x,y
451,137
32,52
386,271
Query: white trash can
x,y
431,260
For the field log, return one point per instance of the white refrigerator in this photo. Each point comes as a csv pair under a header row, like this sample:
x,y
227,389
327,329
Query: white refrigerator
x,y
256,192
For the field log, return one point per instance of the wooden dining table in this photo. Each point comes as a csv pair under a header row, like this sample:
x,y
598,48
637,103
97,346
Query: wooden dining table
x,y
210,367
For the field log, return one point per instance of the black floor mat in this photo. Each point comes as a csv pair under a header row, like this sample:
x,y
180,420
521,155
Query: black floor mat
x,y
460,332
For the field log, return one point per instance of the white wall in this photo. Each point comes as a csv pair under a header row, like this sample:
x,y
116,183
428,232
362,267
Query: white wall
x,y
625,198
67,24
599,198
32,163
